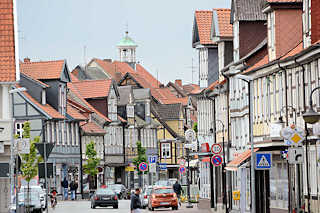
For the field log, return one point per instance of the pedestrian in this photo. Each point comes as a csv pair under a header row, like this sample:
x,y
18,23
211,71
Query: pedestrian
x,y
65,186
72,190
135,202
76,185
177,189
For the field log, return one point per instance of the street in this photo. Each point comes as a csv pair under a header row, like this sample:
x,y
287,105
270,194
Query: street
x,y
124,206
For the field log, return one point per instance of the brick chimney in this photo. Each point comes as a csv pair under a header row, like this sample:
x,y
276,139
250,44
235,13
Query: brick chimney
x,y
178,82
26,60
284,28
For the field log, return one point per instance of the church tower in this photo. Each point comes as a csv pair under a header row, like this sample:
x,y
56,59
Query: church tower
x,y
127,50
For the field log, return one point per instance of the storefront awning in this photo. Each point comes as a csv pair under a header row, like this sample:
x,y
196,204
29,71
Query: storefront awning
x,y
238,161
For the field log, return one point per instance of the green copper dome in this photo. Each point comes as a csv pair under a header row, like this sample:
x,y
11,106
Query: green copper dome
x,y
127,42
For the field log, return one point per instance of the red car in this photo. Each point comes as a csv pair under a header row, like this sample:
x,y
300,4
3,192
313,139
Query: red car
x,y
163,197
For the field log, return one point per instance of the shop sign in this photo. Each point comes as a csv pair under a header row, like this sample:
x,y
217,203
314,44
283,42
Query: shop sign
x,y
129,169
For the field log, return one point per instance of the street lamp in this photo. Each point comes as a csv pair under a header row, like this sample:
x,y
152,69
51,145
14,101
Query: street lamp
x,y
248,80
14,157
311,117
224,185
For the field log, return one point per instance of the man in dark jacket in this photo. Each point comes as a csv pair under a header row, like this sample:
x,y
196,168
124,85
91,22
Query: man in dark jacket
x,y
177,189
135,202
65,185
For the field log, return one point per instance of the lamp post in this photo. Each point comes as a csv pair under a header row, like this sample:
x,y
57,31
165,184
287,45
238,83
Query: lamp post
x,y
249,80
14,156
310,117
224,185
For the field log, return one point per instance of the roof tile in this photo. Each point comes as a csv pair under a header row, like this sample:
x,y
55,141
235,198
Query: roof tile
x,y
204,23
43,70
91,127
93,88
225,28
7,46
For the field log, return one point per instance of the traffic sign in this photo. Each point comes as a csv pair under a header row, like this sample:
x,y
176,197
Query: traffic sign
x,y
182,170
143,167
152,159
263,161
216,160
182,162
293,135
163,166
295,155
152,167
23,145
216,149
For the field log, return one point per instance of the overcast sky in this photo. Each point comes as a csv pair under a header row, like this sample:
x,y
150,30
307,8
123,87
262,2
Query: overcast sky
x,y
60,29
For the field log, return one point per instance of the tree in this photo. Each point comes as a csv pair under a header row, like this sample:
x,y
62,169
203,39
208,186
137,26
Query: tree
x,y
91,166
141,157
29,162
195,127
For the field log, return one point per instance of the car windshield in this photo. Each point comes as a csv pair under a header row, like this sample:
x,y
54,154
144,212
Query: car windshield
x,y
32,195
162,183
148,191
104,192
163,191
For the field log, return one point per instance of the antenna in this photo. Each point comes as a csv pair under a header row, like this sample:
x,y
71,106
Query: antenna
x,y
127,27
193,69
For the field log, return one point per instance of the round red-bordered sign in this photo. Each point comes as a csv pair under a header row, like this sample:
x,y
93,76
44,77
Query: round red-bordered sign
x,y
216,149
143,167
182,162
216,160
182,170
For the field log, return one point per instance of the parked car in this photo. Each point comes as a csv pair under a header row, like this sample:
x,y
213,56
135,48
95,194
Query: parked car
x,y
163,197
33,204
104,197
36,188
144,196
120,189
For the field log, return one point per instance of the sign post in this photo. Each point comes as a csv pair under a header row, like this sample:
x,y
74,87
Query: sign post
x,y
216,160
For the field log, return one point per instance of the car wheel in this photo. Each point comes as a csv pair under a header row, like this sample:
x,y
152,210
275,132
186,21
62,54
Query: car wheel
x,y
152,209
115,206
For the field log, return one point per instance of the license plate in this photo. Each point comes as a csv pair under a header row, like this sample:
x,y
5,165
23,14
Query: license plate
x,y
164,203
106,198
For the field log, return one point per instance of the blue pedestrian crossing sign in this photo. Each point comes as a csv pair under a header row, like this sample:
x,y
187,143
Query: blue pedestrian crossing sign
x,y
263,161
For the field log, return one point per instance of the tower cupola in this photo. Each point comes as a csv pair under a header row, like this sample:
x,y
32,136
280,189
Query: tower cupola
x,y
127,50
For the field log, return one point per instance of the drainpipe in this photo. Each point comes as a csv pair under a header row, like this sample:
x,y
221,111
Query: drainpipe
x,y
123,149
287,123
81,167
307,133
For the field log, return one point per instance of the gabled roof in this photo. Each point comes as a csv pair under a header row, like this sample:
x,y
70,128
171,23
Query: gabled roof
x,y
91,128
43,70
48,110
202,27
168,111
247,10
75,112
147,76
177,88
7,44
93,88
221,23
40,83
189,88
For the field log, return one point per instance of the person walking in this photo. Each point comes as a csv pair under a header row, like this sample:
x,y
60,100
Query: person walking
x,y
65,186
177,189
76,185
72,190
135,202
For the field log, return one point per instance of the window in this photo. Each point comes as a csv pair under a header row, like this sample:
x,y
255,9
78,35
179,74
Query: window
x,y
165,150
19,129
271,36
236,53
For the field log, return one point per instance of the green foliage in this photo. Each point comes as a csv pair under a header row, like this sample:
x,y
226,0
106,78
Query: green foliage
x,y
29,162
195,127
141,157
92,162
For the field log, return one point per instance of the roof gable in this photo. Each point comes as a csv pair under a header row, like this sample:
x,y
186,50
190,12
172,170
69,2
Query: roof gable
x,y
93,88
7,44
221,24
203,19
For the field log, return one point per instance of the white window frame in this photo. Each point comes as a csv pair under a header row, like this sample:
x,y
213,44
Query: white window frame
x,y
19,129
165,150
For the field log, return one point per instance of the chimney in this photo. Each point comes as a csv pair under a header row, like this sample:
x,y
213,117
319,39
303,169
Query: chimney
x,y
107,60
178,82
26,60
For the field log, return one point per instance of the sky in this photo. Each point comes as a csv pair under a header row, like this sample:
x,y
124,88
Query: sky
x,y
79,30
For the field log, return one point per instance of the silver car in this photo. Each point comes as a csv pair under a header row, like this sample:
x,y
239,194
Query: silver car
x,y
144,196
33,204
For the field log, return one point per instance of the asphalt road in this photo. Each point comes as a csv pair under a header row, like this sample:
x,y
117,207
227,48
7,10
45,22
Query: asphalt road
x,y
124,207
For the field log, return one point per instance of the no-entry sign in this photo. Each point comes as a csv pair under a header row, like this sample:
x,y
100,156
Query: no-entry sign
x,y
216,160
143,167
182,170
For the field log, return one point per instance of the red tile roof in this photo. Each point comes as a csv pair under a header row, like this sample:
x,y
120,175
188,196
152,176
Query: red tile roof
x,y
43,70
107,66
91,127
74,78
76,92
225,27
46,108
294,51
147,76
284,1
93,88
7,46
189,88
75,113
260,63
204,23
